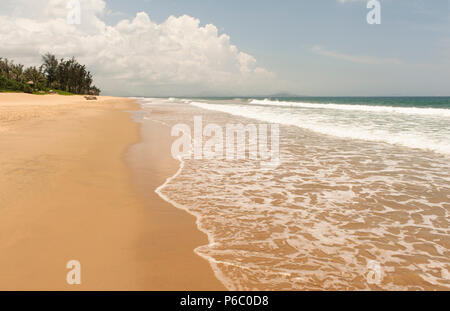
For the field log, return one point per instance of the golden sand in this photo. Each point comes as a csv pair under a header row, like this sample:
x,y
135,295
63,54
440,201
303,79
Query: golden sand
x,y
67,194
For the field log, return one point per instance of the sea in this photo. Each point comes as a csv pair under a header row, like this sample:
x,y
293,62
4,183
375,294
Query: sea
x,y
359,201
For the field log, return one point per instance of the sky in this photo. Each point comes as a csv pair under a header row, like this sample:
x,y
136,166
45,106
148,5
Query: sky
x,y
240,48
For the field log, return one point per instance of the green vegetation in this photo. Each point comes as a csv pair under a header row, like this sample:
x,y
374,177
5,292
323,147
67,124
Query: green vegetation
x,y
66,93
59,92
64,77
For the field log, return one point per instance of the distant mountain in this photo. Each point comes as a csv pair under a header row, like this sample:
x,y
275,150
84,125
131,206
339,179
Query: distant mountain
x,y
286,94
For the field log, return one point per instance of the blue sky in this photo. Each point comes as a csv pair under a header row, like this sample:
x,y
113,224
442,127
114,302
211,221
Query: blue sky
x,y
281,34
319,48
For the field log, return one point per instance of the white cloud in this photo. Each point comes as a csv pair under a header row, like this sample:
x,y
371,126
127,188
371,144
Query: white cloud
x,y
138,56
361,59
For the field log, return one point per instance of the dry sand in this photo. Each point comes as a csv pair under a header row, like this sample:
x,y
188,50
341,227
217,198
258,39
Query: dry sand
x,y
66,193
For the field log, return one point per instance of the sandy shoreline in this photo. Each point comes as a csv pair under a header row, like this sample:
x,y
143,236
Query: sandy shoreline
x,y
170,251
66,193
337,214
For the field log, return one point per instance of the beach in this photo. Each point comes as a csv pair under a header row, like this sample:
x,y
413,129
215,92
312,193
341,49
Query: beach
x,y
358,199
67,193
212,146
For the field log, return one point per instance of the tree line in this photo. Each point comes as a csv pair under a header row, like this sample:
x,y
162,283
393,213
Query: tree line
x,y
61,75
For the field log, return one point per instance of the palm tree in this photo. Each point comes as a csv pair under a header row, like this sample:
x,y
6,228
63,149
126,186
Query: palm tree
x,y
4,67
16,73
49,68
66,75
36,76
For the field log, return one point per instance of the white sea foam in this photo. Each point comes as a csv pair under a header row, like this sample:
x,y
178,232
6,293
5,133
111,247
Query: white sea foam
x,y
367,108
413,128
315,221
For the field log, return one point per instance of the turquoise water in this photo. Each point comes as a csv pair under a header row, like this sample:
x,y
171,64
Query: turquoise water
x,y
358,186
420,102
412,122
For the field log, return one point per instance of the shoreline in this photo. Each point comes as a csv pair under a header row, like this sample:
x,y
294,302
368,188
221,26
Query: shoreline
x,y
273,227
192,270
67,193
197,217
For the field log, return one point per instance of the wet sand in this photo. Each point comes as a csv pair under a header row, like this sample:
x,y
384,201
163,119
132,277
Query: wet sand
x,y
335,215
170,252
66,193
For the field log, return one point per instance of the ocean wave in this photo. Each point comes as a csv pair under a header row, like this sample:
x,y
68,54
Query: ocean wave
x,y
316,221
380,109
362,127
